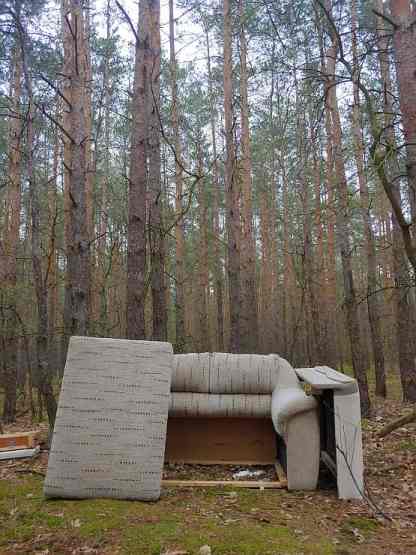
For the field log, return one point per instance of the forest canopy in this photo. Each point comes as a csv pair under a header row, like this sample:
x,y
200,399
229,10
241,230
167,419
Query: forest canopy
x,y
235,175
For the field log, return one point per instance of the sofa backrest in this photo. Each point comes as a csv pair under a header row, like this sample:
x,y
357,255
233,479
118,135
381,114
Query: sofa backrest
x,y
231,373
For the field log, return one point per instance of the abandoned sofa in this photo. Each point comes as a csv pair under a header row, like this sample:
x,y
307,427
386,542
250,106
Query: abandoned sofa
x,y
227,408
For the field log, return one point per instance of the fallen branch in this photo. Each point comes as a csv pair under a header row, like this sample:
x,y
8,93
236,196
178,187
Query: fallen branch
x,y
406,419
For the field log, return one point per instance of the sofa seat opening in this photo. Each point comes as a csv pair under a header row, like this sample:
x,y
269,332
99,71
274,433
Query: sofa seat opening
x,y
205,440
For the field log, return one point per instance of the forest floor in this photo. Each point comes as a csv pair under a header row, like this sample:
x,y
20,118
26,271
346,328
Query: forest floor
x,y
231,521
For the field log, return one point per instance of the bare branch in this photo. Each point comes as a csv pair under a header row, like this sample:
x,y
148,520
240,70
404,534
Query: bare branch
x,y
128,19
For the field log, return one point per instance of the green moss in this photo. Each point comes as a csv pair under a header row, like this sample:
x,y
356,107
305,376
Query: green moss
x,y
185,519
364,525
409,445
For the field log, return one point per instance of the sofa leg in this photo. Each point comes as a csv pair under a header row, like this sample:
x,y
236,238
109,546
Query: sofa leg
x,y
303,451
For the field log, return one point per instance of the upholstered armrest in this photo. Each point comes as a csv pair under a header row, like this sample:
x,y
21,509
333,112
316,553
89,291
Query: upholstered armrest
x,y
295,419
286,403
340,408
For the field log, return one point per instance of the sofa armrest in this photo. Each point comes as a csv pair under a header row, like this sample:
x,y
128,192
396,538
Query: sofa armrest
x,y
295,419
286,403
340,409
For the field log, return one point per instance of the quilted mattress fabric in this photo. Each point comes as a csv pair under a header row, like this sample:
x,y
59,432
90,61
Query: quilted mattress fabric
x,y
110,430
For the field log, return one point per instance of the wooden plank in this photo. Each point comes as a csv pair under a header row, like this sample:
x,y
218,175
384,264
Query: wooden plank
x,y
212,462
18,440
220,441
223,483
280,473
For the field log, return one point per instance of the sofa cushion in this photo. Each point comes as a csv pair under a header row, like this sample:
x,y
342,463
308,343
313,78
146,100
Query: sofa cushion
x,y
215,406
226,373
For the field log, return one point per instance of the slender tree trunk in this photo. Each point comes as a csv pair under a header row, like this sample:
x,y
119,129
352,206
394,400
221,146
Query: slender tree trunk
x,y
318,264
8,285
343,233
66,40
249,317
136,231
404,40
79,247
288,307
52,270
179,232
231,190
218,272
203,327
332,337
40,282
373,301
404,305
266,274
90,169
100,286
156,232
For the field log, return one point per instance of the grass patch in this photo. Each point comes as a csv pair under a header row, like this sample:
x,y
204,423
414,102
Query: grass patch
x,y
182,519
408,445
365,526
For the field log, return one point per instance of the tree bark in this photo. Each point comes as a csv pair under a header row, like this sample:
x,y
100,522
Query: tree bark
x,y
78,258
8,291
136,231
203,328
40,281
398,423
403,303
404,40
218,272
249,316
373,301
231,190
180,341
343,234
156,231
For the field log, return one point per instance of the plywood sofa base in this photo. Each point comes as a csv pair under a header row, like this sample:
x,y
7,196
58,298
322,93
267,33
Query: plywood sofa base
x,y
242,441
224,483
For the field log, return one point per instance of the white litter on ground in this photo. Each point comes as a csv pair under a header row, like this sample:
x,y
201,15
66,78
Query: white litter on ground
x,y
247,474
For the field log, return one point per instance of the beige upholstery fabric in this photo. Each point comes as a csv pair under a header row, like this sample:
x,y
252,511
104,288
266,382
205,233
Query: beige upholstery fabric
x,y
216,406
226,373
110,429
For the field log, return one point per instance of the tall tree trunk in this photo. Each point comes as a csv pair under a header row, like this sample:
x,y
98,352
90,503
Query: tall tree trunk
x,y
218,273
330,331
52,270
203,327
343,234
101,287
249,317
288,305
79,245
231,190
85,54
179,226
404,40
66,108
40,281
136,230
373,301
156,231
266,273
404,305
8,291
318,263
